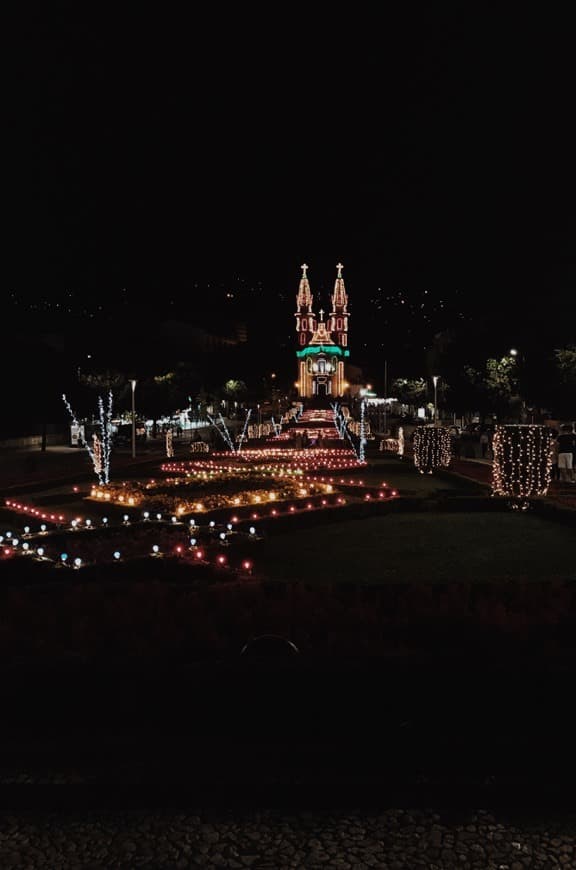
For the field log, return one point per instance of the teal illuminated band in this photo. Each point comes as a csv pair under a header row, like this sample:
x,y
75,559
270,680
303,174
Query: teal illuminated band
x,y
322,348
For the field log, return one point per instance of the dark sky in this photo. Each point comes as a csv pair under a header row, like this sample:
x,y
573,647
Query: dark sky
x,y
148,153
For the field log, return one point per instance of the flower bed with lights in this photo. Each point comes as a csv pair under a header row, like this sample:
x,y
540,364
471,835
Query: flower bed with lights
x,y
182,500
311,459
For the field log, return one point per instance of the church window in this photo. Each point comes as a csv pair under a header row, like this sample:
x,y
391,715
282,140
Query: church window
x,y
344,340
339,324
304,323
302,338
322,365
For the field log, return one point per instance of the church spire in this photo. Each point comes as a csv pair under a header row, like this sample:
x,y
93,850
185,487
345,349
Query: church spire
x,y
339,297
304,298
305,319
338,321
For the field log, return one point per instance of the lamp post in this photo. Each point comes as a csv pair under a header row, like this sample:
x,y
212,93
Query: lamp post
x,y
435,379
514,358
133,382
385,393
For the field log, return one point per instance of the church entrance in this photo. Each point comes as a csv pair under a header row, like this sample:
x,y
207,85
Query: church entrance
x,y
322,390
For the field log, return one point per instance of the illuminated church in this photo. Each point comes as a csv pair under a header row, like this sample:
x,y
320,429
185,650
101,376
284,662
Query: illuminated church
x,y
322,345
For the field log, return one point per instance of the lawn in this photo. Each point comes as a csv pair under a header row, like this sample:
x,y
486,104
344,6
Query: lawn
x,y
418,546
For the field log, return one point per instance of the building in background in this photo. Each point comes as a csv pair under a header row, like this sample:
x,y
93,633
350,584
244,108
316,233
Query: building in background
x,y
322,345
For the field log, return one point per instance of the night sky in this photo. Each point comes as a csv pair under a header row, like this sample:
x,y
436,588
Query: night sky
x,y
163,155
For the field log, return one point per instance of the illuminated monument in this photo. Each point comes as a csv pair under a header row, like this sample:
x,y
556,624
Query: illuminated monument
x,y
322,345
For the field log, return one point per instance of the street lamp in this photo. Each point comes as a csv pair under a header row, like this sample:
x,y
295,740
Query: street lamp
x,y
133,382
435,379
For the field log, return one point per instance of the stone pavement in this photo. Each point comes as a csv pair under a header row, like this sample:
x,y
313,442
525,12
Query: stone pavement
x,y
390,839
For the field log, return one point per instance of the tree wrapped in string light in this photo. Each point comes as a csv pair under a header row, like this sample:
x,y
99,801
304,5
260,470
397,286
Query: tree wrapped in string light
x,y
522,464
431,448
100,453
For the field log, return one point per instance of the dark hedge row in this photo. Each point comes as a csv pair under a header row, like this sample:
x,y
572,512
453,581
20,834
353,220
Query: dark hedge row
x,y
130,620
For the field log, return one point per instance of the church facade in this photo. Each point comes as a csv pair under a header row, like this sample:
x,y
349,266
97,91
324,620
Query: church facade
x,y
322,344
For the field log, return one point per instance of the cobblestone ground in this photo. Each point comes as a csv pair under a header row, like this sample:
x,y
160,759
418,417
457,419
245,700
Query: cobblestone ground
x,y
349,840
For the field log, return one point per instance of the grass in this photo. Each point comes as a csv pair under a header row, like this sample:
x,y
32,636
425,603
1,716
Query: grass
x,y
422,546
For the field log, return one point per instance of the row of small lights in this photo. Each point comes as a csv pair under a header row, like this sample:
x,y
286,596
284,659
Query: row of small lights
x,y
29,509
221,560
76,524
146,516
310,457
328,482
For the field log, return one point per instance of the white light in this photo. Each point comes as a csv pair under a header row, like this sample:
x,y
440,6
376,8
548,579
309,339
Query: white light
x,y
1,538
43,527
88,523
229,527
104,520
77,561
158,516
63,556
192,542
146,515
212,524
74,523
40,551
116,554
25,546
8,534
222,536
192,521
174,520
125,518
15,542
155,548
252,530
26,529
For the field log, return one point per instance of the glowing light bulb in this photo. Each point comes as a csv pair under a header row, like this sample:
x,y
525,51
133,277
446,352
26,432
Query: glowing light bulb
x,y
116,554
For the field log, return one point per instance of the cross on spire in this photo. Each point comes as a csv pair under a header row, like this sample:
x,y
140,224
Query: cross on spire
x,y
321,314
304,268
339,266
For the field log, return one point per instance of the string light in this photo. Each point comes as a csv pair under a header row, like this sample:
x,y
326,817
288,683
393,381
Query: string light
x,y
431,448
101,456
522,465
